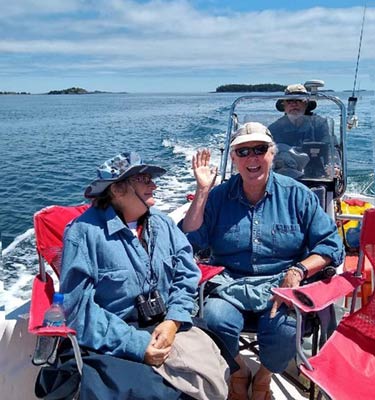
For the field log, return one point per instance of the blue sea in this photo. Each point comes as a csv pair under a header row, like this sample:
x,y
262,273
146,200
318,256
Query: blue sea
x,y
51,146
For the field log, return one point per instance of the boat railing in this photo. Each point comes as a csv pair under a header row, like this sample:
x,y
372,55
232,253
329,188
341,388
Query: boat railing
x,y
345,217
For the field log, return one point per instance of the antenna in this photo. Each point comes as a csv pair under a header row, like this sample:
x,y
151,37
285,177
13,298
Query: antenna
x,y
352,119
359,51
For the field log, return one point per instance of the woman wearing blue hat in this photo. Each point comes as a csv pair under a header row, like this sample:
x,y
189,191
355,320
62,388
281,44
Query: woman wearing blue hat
x,y
129,281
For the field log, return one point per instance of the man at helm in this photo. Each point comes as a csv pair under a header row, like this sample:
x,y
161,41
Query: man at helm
x,y
298,128
298,124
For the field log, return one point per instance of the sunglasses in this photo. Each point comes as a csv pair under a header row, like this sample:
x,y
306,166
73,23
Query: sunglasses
x,y
298,101
259,150
146,179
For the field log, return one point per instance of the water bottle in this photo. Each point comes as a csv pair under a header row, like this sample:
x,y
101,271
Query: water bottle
x,y
55,315
46,346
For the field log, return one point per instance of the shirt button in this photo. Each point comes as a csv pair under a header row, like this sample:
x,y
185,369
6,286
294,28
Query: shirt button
x,y
256,222
256,240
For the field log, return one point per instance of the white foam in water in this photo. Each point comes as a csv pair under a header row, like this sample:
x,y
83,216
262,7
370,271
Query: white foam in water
x,y
189,150
10,298
17,240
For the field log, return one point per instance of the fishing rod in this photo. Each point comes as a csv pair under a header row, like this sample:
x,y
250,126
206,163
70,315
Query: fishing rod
x,y
352,119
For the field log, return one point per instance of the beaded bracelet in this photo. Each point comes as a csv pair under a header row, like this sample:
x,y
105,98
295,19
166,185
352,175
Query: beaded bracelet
x,y
297,270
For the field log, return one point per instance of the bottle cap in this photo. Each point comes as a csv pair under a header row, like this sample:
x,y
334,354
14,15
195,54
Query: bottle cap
x,y
58,298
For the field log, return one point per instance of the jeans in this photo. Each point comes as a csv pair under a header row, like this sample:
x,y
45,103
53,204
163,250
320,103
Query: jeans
x,y
276,336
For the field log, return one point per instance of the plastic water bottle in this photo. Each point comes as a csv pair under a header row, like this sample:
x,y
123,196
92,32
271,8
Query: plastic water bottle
x,y
55,315
46,346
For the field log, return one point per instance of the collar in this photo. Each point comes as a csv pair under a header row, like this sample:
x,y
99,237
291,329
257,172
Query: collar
x,y
236,187
113,221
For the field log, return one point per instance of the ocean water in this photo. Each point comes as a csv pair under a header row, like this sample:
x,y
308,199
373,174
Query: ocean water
x,y
51,146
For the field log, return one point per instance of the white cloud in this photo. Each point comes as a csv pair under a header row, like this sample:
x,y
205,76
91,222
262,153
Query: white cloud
x,y
31,8
107,35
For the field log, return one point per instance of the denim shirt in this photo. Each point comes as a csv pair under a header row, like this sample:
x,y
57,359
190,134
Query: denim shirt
x,y
104,267
284,227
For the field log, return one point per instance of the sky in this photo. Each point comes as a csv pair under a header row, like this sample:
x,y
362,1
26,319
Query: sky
x,y
183,45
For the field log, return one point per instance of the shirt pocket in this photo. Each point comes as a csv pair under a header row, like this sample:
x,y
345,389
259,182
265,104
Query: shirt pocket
x,y
287,240
226,239
112,284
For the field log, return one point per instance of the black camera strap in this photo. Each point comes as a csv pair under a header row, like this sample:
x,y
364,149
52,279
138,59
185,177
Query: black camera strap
x,y
147,240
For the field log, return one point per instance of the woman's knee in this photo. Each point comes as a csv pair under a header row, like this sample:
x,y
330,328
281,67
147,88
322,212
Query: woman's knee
x,y
277,341
219,314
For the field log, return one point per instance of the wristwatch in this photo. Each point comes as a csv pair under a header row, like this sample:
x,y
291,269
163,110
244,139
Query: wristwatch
x,y
303,269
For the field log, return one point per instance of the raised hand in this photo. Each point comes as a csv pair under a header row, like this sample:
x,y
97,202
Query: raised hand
x,y
204,174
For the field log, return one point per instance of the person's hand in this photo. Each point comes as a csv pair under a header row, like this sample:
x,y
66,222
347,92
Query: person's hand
x,y
165,333
161,342
292,279
204,174
154,356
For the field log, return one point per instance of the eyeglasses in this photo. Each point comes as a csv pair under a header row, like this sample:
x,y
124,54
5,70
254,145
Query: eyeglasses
x,y
146,179
259,150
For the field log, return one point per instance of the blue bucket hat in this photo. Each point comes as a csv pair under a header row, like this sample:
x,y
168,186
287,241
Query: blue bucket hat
x,y
119,168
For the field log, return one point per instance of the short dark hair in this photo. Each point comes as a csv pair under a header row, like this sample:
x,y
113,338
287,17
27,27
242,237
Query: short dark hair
x,y
104,200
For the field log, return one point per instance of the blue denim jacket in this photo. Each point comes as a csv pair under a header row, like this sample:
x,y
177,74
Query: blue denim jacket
x,y
284,227
104,267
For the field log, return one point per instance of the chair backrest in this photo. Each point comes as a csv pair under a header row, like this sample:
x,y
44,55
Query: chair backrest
x,y
49,224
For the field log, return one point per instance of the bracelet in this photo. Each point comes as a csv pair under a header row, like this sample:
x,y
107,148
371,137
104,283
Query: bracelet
x,y
300,273
303,269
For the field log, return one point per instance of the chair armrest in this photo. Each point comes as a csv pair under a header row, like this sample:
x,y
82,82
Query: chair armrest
x,y
62,331
208,271
318,295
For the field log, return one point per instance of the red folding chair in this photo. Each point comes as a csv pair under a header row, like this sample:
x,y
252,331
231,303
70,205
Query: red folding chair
x,y
344,368
49,226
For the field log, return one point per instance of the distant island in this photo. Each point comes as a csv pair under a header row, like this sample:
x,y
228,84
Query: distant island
x,y
74,90
261,87
14,93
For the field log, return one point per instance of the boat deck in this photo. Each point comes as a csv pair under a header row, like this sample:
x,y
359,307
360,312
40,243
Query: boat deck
x,y
282,389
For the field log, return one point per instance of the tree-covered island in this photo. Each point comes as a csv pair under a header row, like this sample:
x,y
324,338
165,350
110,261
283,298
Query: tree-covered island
x,y
73,90
13,93
261,87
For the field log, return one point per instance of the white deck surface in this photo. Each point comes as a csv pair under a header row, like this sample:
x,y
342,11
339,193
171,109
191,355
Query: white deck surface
x,y
281,388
